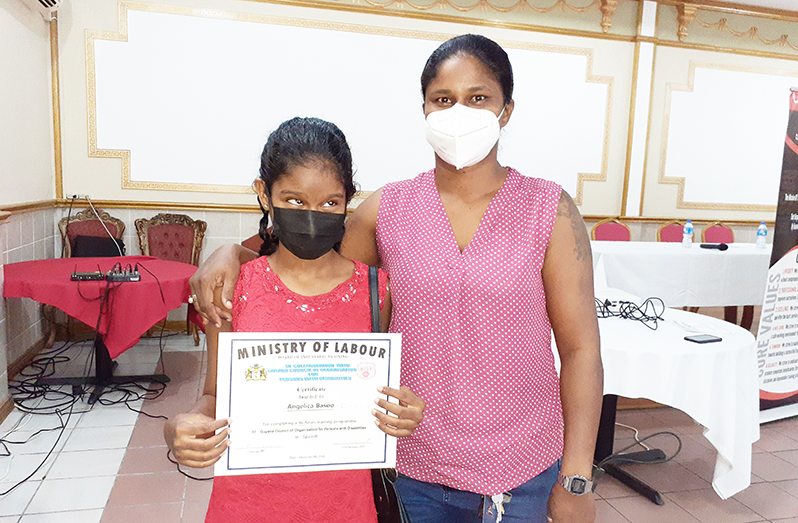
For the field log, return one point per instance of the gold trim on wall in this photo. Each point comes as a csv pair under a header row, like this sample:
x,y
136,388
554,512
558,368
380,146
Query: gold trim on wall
x,y
4,216
680,181
56,101
22,208
121,36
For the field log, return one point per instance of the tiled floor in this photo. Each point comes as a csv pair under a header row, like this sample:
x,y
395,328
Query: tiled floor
x,y
110,464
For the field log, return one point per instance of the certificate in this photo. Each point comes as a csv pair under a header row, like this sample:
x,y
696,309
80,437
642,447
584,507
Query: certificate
x,y
303,401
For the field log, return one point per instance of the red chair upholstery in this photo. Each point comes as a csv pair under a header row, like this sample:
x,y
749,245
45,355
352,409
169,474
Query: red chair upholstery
x,y
611,230
717,232
174,237
253,243
85,223
670,232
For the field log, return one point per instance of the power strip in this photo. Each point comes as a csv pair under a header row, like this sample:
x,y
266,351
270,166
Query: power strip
x,y
124,275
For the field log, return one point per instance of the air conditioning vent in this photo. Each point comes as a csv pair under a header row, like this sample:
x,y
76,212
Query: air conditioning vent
x,y
45,7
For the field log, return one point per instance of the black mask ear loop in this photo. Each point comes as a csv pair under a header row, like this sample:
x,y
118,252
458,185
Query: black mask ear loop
x,y
269,232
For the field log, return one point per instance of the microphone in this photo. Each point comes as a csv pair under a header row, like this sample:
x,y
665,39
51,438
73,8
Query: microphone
x,y
718,246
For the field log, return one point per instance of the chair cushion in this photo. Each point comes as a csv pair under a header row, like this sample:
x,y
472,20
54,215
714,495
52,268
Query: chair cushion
x,y
612,231
171,242
672,233
89,228
718,234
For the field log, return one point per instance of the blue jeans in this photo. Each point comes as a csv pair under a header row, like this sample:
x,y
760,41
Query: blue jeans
x,y
434,503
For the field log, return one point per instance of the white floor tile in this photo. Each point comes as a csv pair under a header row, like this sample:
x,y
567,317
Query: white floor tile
x,y
87,463
107,416
131,369
17,500
60,495
78,516
34,422
98,438
9,519
138,356
41,443
17,467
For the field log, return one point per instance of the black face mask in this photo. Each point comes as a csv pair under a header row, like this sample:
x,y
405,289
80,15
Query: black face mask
x,y
308,234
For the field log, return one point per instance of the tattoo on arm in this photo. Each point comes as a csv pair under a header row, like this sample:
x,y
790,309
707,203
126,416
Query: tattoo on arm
x,y
567,209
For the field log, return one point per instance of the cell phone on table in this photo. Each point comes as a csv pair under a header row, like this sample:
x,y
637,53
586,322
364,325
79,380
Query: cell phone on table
x,y
702,338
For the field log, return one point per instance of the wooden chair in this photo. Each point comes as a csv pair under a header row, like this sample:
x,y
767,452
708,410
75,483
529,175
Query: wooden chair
x,y
611,229
174,237
717,232
86,224
670,231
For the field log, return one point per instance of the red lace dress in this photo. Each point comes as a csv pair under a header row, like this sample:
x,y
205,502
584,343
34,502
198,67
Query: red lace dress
x,y
263,304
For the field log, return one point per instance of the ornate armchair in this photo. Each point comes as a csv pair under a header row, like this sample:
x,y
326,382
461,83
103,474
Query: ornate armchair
x,y
85,224
174,237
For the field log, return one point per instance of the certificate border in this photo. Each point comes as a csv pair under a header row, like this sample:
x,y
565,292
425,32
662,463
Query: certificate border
x,y
276,467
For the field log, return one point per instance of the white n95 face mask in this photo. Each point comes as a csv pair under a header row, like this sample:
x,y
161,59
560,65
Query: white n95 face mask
x,y
463,136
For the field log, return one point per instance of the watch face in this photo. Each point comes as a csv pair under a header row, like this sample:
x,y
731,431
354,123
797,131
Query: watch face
x,y
578,485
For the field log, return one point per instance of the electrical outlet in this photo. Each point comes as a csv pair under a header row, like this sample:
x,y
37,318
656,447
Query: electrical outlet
x,y
78,197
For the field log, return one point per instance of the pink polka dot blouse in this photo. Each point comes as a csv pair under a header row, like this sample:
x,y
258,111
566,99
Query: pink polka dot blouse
x,y
476,339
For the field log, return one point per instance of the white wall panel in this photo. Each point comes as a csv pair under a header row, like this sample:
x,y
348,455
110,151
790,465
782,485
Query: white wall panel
x,y
726,135
194,98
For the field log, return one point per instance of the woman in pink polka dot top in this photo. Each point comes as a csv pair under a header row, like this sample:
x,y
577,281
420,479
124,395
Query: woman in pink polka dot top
x,y
484,264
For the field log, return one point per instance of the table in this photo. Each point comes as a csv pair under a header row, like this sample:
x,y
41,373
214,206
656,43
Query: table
x,y
684,277
130,309
716,383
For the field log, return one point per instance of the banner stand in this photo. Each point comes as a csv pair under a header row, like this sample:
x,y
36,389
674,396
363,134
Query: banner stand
x,y
777,337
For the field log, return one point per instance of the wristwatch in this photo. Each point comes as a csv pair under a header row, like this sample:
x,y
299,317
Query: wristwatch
x,y
576,485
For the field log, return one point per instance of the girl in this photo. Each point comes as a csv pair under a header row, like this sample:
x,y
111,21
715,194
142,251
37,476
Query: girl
x,y
300,284
485,263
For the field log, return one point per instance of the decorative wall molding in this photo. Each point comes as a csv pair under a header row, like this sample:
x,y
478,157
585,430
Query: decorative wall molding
x,y
528,15
666,118
463,7
607,8
752,33
688,12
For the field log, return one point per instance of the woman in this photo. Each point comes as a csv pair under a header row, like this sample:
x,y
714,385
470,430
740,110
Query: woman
x,y
483,261
301,284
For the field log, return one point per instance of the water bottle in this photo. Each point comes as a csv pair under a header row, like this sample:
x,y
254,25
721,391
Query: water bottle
x,y
687,234
761,236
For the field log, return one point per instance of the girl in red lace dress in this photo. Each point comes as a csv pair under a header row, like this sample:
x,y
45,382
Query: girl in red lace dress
x,y
300,284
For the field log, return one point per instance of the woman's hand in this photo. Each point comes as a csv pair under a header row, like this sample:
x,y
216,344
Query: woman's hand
x,y
194,440
565,507
407,414
219,270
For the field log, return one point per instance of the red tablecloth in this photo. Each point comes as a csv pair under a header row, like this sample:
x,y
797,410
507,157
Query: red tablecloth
x,y
132,308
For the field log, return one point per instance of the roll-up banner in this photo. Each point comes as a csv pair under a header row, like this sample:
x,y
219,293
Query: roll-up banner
x,y
777,339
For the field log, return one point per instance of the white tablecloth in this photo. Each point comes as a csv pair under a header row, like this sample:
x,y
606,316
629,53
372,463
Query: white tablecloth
x,y
683,277
714,383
